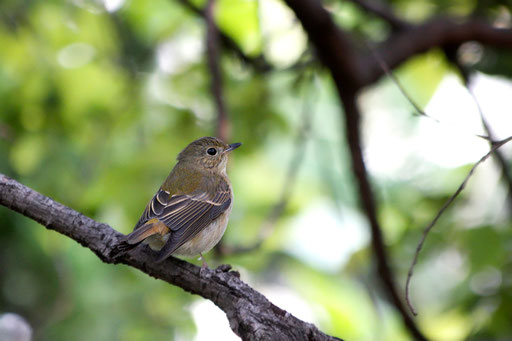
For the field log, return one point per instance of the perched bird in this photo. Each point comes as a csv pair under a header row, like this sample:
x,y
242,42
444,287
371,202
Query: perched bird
x,y
189,213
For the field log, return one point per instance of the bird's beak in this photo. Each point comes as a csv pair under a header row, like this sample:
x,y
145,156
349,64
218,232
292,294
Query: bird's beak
x,y
232,146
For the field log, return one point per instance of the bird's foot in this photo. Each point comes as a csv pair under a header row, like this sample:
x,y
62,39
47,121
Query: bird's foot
x,y
205,265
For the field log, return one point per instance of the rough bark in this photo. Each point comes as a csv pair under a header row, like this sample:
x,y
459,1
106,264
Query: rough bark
x,y
251,315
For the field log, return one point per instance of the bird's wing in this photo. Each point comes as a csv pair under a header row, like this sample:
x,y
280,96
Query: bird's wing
x,y
185,214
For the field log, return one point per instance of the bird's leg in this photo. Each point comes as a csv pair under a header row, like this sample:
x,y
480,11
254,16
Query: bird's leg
x,y
205,265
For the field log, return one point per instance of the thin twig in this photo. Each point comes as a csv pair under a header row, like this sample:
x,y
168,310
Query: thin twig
x,y
496,146
395,80
498,155
212,56
466,75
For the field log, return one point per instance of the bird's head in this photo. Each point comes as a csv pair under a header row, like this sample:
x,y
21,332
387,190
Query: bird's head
x,y
208,152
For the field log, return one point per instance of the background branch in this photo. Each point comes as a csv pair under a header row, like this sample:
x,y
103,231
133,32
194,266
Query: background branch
x,y
506,175
212,56
251,316
367,200
439,32
333,45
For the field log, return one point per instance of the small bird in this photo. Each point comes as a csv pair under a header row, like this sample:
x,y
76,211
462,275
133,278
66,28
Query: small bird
x,y
189,213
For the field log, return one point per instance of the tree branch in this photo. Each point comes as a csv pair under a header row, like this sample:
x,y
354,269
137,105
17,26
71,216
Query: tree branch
x,y
251,316
223,128
333,45
438,32
366,198
506,175
499,156
212,56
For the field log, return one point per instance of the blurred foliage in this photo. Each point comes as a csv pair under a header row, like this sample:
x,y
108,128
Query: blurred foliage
x,y
95,104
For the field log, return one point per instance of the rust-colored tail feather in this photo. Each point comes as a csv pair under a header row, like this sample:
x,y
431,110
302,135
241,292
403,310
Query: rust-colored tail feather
x,y
140,234
131,240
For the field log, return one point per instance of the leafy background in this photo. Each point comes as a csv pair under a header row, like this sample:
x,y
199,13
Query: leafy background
x,y
97,99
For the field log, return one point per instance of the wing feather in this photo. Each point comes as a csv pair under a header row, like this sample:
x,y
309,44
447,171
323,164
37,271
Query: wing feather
x,y
185,214
183,235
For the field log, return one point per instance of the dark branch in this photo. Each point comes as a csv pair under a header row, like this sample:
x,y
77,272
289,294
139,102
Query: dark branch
x,y
366,197
439,32
212,56
251,316
333,45
496,146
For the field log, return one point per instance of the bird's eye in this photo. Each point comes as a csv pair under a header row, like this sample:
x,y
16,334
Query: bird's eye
x,y
211,151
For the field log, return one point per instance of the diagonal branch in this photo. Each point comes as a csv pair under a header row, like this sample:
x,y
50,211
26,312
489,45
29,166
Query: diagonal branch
x,y
467,74
251,315
506,175
451,199
334,46
440,32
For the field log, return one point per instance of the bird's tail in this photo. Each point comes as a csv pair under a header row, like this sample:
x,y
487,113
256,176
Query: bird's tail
x,y
145,231
131,240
